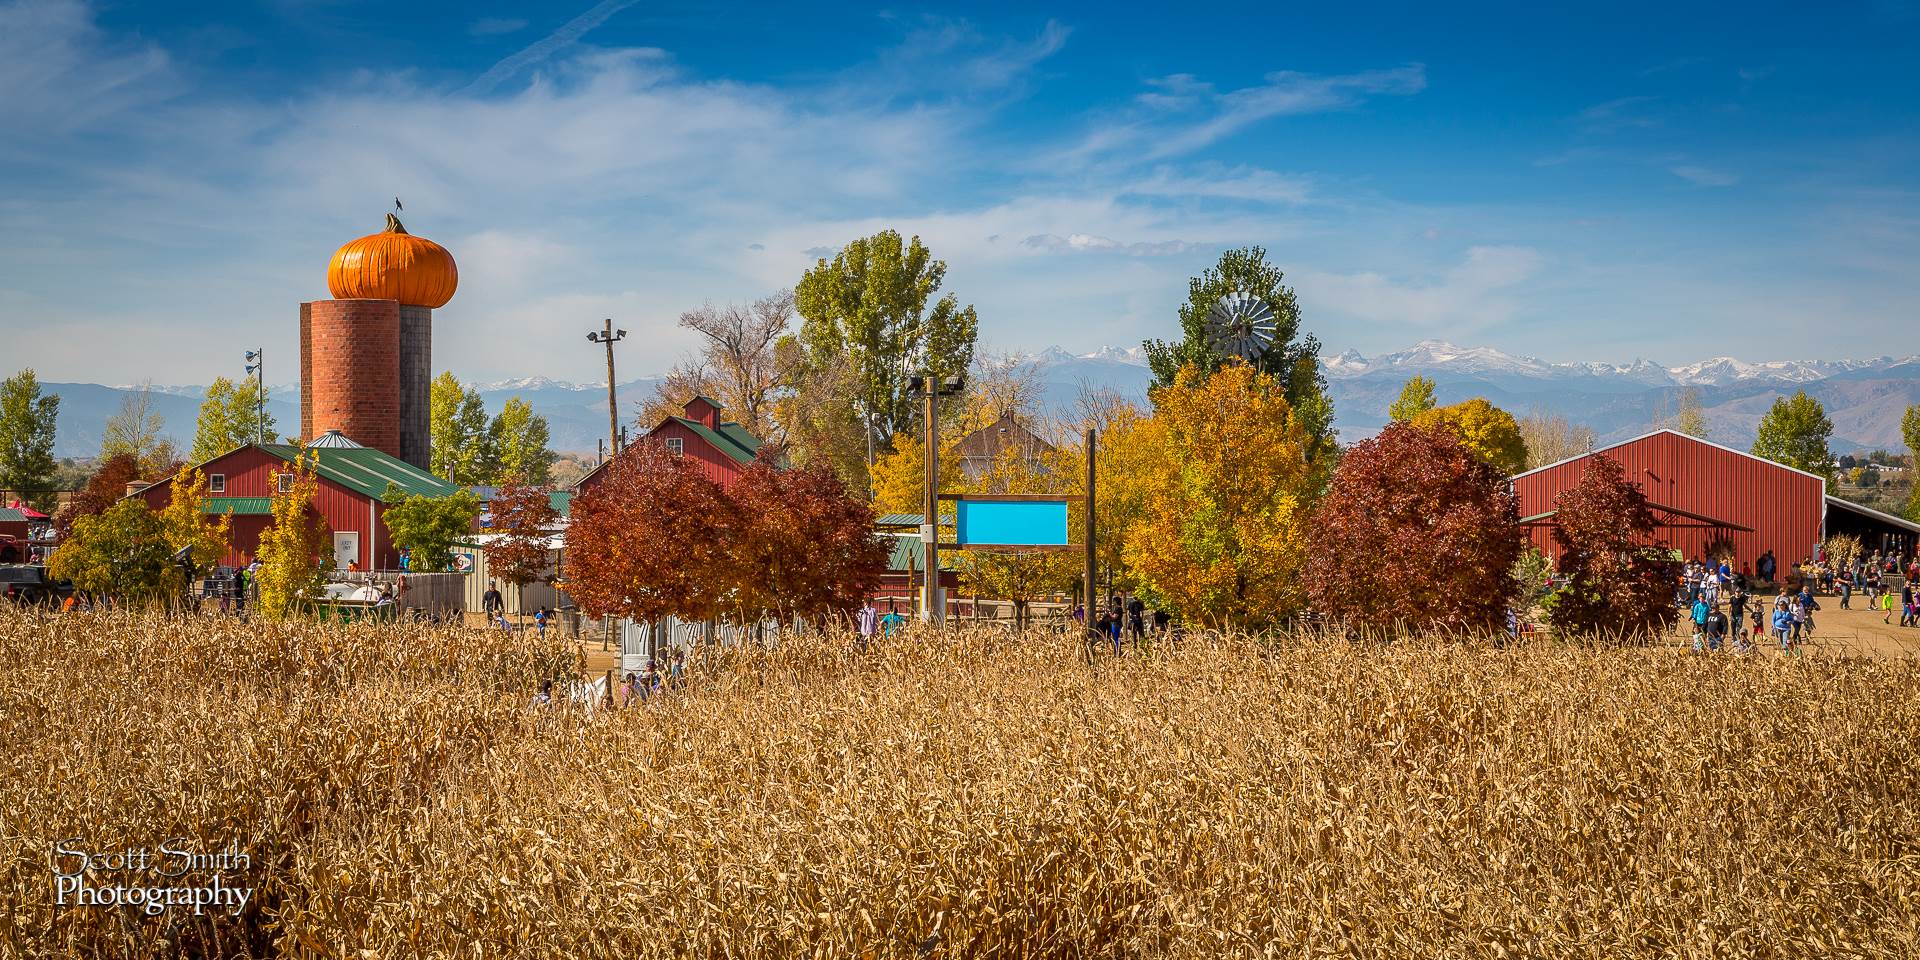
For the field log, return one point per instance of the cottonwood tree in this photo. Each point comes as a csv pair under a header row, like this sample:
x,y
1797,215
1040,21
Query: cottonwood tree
x,y
428,527
1551,438
1488,431
135,429
821,419
461,444
872,309
650,539
27,421
523,517
1620,582
737,363
517,446
1415,399
1690,416
1227,489
1293,359
232,415
1417,532
1794,432
122,552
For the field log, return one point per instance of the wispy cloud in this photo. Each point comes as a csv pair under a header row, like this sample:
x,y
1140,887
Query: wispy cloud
x,y
1620,113
1703,176
1089,243
60,74
1471,295
568,34
496,26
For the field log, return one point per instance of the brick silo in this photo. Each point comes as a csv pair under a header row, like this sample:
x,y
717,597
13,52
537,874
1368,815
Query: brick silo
x,y
366,359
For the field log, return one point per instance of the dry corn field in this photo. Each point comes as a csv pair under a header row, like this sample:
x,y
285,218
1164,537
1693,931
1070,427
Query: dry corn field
x,y
964,796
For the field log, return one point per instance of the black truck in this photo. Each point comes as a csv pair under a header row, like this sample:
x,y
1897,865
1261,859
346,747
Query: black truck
x,y
29,583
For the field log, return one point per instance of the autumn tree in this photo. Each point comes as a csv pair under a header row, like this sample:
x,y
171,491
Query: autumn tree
x,y
900,475
1417,532
523,517
189,526
136,429
1415,399
1689,416
460,442
820,418
872,309
650,539
1226,489
1293,359
1910,431
1551,438
1021,577
1794,432
1488,431
804,548
295,550
27,422
428,527
121,552
104,488
516,446
1620,582
737,363
232,415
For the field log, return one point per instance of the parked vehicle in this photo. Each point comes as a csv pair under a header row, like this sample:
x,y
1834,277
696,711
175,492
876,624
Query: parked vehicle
x,y
28,583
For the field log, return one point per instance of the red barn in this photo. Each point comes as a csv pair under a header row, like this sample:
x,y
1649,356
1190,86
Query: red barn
x,y
1702,492
352,482
722,448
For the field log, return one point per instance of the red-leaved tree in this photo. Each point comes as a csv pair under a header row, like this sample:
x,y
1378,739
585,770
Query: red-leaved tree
x,y
1416,532
522,516
1620,582
804,548
651,539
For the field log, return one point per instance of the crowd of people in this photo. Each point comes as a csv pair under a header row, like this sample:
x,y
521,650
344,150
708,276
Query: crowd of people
x,y
1731,609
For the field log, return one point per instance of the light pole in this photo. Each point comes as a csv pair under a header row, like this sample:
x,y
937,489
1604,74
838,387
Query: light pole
x,y
931,389
256,365
609,336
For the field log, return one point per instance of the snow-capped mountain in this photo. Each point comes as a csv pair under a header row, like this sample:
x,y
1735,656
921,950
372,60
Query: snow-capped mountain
x,y
1430,356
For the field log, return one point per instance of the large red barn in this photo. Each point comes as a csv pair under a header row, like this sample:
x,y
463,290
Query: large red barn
x,y
352,482
721,447
1702,492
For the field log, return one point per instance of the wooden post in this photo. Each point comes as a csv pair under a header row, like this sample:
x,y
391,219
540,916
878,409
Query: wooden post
x,y
1092,557
930,596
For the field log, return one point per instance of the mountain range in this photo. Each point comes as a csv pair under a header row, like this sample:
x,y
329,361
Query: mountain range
x,y
1864,398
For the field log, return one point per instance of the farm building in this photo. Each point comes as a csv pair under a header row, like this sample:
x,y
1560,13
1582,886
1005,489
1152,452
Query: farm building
x,y
722,448
352,482
1703,493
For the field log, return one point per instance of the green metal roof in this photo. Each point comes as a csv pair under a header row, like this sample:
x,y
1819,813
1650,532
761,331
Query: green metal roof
x,y
11,515
238,506
731,439
367,471
561,501
901,519
907,555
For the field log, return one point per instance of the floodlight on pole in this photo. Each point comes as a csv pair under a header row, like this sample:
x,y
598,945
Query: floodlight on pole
x,y
609,336
931,389
257,365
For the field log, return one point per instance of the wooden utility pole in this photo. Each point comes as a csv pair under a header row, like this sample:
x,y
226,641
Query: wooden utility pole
x,y
609,336
930,532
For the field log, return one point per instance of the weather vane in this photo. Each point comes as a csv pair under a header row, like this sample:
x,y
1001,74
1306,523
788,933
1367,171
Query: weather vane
x,y
1241,325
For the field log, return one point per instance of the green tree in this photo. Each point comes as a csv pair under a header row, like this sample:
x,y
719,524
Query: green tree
x,y
1415,399
135,429
1795,432
294,551
188,525
26,439
1292,359
517,443
1691,417
868,310
1910,431
461,444
123,553
428,527
232,415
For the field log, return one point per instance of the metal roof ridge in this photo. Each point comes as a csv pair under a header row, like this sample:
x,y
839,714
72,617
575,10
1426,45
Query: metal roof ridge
x,y
1684,436
1869,511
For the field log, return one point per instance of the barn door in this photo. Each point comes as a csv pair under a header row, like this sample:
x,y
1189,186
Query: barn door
x,y
346,548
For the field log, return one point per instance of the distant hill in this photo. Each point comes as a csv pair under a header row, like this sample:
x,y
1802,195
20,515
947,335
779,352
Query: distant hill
x,y
1865,398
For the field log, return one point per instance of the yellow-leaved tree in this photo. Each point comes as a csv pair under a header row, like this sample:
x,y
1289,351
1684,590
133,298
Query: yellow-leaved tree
x,y
1020,577
1119,487
1226,491
190,526
900,476
294,551
1490,432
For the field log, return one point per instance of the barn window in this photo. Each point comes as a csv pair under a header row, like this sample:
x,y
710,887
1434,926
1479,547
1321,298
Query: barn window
x,y
286,482
216,483
676,445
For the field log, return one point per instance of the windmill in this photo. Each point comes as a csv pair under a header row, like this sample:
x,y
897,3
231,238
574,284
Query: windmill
x,y
1241,325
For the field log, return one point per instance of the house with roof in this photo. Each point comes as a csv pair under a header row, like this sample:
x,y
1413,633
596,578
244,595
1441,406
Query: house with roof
x,y
722,448
353,481
1006,435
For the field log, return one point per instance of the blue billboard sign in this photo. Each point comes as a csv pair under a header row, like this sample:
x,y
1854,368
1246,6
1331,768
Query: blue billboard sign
x,y
1026,523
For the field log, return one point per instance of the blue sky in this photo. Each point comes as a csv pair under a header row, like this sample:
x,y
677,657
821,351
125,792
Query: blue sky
x,y
1595,184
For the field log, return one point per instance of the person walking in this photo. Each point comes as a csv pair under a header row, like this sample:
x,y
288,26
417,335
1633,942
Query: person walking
x,y
866,622
1700,611
1846,592
1716,628
1807,606
1783,627
492,604
1907,615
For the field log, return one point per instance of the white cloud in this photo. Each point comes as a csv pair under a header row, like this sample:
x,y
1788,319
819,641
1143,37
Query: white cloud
x,y
1085,242
59,74
1473,294
568,34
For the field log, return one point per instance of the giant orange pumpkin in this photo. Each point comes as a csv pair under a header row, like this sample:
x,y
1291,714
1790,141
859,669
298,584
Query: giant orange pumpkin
x,y
394,265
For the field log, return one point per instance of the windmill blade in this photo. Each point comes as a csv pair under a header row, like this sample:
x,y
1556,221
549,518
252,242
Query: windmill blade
x,y
1241,325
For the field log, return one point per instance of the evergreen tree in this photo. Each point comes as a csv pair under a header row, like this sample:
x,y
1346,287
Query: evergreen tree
x,y
26,439
1292,359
